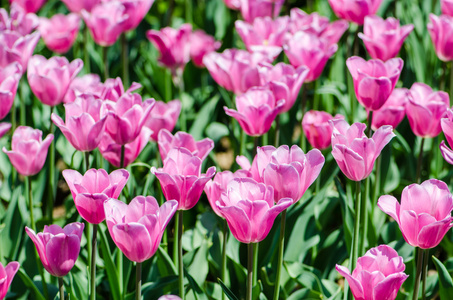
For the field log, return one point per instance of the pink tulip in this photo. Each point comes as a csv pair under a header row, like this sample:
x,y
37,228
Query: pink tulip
x,y
6,276
252,9
163,116
181,177
29,151
233,4
425,108
393,110
76,6
137,228
84,125
9,80
170,297
256,110
374,80
317,129
354,10
92,189
30,6
354,152
424,215
89,84
318,25
113,89
135,10
50,79
308,49
58,248
447,128
111,151
173,45
60,32
18,20
106,22
446,6
248,207
379,274
446,152
15,47
200,45
167,141
4,128
440,29
383,38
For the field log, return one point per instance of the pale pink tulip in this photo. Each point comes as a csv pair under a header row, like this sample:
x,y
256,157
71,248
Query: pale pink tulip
x,y
60,31
163,116
18,20
354,10
446,152
440,29
135,10
447,128
252,9
89,84
9,81
30,6
201,44
167,141
446,6
6,277
76,6
317,129
4,128
113,89
393,110
15,47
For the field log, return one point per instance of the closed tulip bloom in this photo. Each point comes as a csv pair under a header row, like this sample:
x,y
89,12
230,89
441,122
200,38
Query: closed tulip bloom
x,y
30,6
446,6
354,10
84,126
252,9
374,80
60,31
15,47
317,129
424,215
163,116
92,189
113,88
135,10
29,151
354,152
6,277
383,38
181,177
249,209
167,141
256,110
393,110
18,20
309,50
58,248
137,228
9,80
378,276
89,84
425,108
50,79
201,44
440,29
4,128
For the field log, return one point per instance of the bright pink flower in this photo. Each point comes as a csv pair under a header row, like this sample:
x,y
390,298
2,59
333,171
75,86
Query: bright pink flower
x,y
60,31
446,152
135,10
425,108
248,207
15,47
92,189
233,4
173,45
201,44
18,20
318,25
308,49
181,177
354,10
446,6
30,6
447,127
84,126
374,80
163,116
89,84
393,110
252,9
137,228
58,248
440,29
317,129
113,89
167,141
106,22
383,38
111,151
6,276
9,80
256,110
29,151
379,274
354,152
77,6
4,128
424,215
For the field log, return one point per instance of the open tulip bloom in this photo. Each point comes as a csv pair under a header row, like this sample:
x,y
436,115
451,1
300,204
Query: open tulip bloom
x,y
9,81
167,141
354,10
447,128
6,276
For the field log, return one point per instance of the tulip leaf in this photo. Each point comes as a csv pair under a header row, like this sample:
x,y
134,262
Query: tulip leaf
x,y
164,263
227,291
204,116
29,283
445,280
305,294
215,131
112,274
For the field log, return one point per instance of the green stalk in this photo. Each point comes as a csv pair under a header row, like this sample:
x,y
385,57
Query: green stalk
x,y
179,82
377,183
87,160
189,11
418,273
303,104
119,257
138,281
93,262
180,262
88,231
61,287
30,202
175,241
355,241
425,272
224,258
106,62
168,86
242,146
281,245
250,271
125,59
255,263
277,131
123,150
23,108
420,161
51,199
364,217
86,58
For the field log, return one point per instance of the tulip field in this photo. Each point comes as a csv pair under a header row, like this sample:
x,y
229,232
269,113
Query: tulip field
x,y
226,149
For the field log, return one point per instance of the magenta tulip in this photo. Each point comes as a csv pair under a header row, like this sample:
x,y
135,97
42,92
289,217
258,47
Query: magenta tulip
x,y
446,152
4,128
50,79
15,47
58,248
447,128
29,151
446,6
167,141
393,110
425,108
252,9
30,6
248,207
440,29
354,10
181,177
18,20
374,80
113,89
9,81
135,10
76,6
383,38
89,84
92,189
378,276
354,152
424,215
163,116
60,32
233,4
137,228
6,277
317,129
201,44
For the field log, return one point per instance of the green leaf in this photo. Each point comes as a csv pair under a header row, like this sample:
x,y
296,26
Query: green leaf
x,y
216,131
29,283
445,280
227,291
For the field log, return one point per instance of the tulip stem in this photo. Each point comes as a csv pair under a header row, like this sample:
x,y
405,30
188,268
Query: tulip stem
x,y
355,240
180,262
93,262
51,198
377,184
87,160
22,112
420,161
418,273
250,268
178,80
224,258
364,217
138,281
369,122
125,59
106,62
425,271
255,262
281,245
123,150
61,287
30,201
303,104
277,131
86,58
